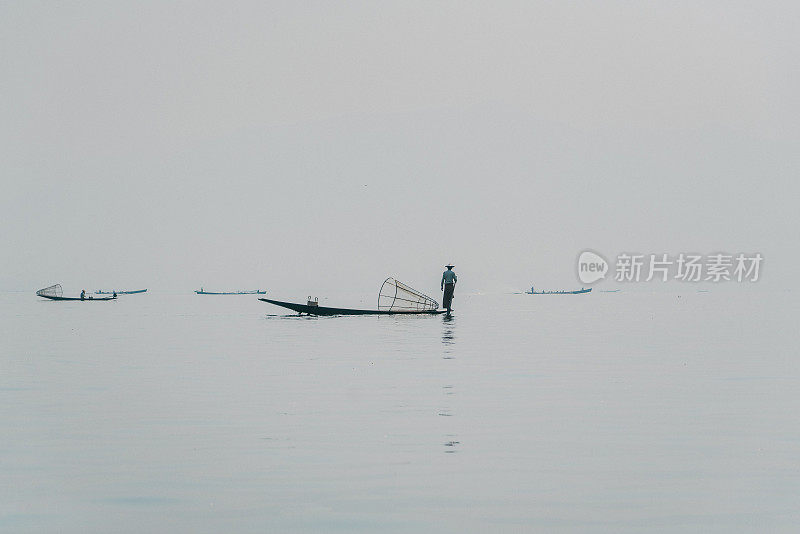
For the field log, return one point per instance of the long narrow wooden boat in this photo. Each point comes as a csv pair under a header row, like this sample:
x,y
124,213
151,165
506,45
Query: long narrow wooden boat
x,y
576,292
325,310
87,299
254,292
120,292
55,292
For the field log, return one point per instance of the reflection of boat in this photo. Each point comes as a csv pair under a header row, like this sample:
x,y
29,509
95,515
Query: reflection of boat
x,y
576,292
120,292
56,293
254,292
393,298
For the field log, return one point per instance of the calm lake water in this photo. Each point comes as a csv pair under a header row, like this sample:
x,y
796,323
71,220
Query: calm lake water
x,y
609,412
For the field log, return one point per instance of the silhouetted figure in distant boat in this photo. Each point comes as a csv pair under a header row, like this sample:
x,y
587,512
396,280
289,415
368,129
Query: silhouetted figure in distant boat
x,y
83,294
115,294
448,285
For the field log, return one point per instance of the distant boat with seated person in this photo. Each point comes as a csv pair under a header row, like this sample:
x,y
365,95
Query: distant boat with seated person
x,y
202,291
575,292
55,292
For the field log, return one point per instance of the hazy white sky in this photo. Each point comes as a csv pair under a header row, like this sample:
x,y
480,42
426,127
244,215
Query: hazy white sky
x,y
300,146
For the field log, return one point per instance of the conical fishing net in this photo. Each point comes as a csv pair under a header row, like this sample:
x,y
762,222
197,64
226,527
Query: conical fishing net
x,y
52,291
397,297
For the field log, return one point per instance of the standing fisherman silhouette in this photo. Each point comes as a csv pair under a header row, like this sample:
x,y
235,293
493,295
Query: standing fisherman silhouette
x,y
448,285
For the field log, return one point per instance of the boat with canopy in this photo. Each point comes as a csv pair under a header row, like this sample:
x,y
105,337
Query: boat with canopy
x,y
55,292
394,297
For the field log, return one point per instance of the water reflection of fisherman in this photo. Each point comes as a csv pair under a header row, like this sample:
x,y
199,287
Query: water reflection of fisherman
x,y
448,285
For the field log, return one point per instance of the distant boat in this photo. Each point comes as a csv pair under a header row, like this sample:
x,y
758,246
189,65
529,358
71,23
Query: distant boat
x,y
98,292
609,291
55,292
201,291
576,292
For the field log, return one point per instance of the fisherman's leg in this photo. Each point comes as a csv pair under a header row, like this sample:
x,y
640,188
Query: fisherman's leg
x,y
448,296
